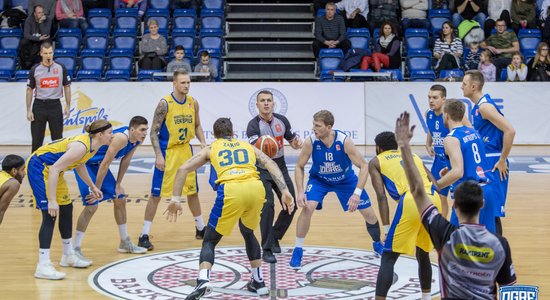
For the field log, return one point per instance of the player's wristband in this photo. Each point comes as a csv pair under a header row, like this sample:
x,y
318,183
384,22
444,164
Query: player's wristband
x,y
386,229
176,199
357,191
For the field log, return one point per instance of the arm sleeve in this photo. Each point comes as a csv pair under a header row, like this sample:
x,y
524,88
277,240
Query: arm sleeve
x,y
341,29
394,47
163,46
522,72
437,46
80,13
253,130
319,30
493,75
213,71
145,46
66,77
27,34
32,81
506,275
59,13
143,7
289,134
438,227
511,72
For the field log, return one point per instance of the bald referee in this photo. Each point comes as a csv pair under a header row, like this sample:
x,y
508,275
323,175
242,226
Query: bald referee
x,y
47,81
472,260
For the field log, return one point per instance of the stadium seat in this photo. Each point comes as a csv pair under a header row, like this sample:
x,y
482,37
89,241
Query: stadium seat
x,y
437,17
185,19
69,38
5,76
124,39
147,75
215,58
92,60
211,38
419,60
8,60
88,75
21,75
66,57
127,18
10,38
213,4
423,75
121,60
416,39
159,4
330,59
327,76
212,19
359,38
22,3
529,39
100,18
397,75
97,39
184,38
117,75
503,76
528,54
454,73
162,16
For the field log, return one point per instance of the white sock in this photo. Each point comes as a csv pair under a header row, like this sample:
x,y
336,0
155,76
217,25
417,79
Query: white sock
x,y
78,236
426,296
257,274
299,242
199,223
146,227
67,246
123,231
204,274
43,255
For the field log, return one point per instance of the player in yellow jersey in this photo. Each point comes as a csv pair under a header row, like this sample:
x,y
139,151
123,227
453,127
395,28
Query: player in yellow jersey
x,y
45,168
405,235
241,196
13,167
175,123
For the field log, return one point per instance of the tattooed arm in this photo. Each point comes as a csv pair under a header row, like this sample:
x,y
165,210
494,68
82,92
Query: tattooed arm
x,y
158,118
265,162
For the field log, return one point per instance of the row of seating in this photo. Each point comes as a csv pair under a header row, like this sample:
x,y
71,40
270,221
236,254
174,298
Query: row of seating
x,y
152,4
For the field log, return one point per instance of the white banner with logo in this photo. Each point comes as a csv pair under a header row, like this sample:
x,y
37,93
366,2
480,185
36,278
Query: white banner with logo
x,y
119,102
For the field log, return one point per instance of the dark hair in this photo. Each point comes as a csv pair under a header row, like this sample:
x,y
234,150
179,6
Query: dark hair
x,y
205,54
179,47
324,116
178,72
439,88
500,20
393,29
223,128
98,126
137,121
46,45
442,37
11,162
37,6
266,92
477,77
386,141
468,197
455,109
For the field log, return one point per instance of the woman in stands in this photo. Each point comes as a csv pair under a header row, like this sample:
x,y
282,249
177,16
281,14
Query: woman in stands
x,y
447,49
152,48
539,66
387,53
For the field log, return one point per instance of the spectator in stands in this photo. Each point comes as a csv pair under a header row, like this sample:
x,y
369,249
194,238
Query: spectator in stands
x,y
49,11
152,48
524,14
178,62
330,31
356,12
206,66
414,13
70,14
381,11
469,10
502,44
497,9
319,4
545,21
472,59
386,51
486,66
441,4
140,4
539,66
517,70
448,48
35,32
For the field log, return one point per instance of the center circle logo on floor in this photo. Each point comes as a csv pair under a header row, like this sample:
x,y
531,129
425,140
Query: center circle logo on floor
x,y
326,273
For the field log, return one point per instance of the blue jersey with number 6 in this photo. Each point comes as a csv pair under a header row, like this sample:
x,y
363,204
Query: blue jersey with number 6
x,y
473,154
331,164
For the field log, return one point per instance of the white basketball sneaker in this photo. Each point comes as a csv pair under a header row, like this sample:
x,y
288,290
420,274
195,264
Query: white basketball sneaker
x,y
79,254
126,246
47,271
72,260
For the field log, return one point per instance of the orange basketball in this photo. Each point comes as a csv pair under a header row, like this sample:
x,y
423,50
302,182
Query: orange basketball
x,y
268,145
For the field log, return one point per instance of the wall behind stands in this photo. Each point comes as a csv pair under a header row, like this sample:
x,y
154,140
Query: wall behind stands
x,y
361,109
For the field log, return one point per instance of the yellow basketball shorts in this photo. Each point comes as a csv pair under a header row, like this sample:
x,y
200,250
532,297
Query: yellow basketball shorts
x,y
163,181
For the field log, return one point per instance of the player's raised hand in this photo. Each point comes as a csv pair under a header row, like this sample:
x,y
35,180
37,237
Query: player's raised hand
x,y
301,200
403,133
353,202
160,162
502,169
288,202
173,211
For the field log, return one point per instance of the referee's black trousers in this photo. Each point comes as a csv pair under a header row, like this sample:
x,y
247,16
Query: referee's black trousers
x,y
46,111
271,232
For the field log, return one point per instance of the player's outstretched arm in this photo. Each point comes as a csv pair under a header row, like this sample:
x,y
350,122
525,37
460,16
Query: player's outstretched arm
x,y
359,161
122,168
267,163
8,191
198,127
403,135
378,185
453,150
429,140
158,118
119,141
303,157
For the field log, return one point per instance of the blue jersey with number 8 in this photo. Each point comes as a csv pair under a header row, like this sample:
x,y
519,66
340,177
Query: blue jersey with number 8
x,y
473,154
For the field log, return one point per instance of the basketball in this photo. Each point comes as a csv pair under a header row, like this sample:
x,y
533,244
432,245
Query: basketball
x,y
268,145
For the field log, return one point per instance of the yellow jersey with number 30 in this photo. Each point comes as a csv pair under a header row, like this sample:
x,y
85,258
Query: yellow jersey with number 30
x,y
179,125
233,160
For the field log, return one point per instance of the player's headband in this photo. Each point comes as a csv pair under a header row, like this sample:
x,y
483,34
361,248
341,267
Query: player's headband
x,y
100,129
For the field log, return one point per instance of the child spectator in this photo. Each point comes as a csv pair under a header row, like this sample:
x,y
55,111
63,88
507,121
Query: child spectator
x,y
486,66
517,70
206,66
472,59
178,62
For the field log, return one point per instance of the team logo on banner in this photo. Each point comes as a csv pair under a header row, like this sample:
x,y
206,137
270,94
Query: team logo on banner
x,y
83,112
279,99
327,273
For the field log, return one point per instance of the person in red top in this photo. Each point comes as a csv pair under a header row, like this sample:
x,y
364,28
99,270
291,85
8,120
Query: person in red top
x,y
70,14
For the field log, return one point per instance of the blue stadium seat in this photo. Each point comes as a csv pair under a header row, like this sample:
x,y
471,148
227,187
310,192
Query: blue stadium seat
x,y
416,39
397,75
212,19
330,59
121,60
97,39
529,39
117,75
211,38
66,57
327,76
359,38
184,38
159,4
92,60
88,75
528,54
455,73
376,35
69,38
100,18
185,19
162,16
213,4
22,3
21,75
503,75
147,75
437,17
127,18
423,75
215,58
5,76
419,60
2,5
124,39
10,38
8,60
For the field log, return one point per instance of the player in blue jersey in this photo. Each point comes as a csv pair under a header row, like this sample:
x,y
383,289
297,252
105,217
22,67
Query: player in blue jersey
x,y
333,155
466,153
498,135
125,142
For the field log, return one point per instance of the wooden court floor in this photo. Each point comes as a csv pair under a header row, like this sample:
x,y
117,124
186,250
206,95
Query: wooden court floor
x,y
527,228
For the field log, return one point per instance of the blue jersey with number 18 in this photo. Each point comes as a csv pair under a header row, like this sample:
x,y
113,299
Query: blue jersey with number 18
x,y
331,164
473,153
